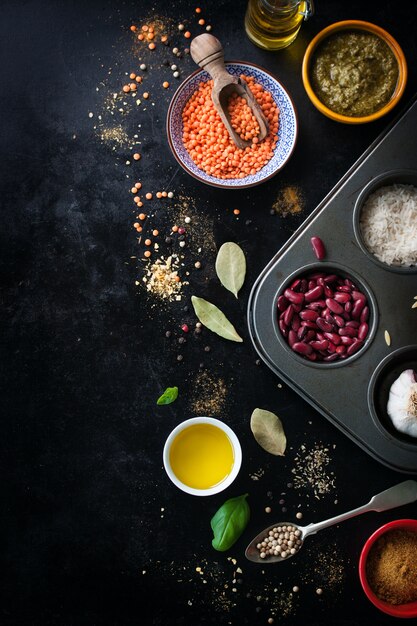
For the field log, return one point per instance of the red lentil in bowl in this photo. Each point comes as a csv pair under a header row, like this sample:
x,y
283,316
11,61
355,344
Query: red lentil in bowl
x,y
282,148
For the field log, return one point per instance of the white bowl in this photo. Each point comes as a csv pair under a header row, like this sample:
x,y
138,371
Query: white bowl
x,y
237,453
287,130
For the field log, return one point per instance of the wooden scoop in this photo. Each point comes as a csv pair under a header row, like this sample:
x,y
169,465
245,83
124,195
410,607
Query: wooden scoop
x,y
207,52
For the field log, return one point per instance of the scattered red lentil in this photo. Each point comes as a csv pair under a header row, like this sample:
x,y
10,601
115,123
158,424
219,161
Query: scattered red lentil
x,y
164,38
158,194
145,28
147,254
146,95
138,79
133,190
136,199
236,211
198,10
175,229
140,204
152,46
126,88
164,194
155,233
165,84
142,216
207,141
201,22
137,156
133,86
151,35
141,37
138,185
187,34
132,76
133,28
136,225
148,242
149,196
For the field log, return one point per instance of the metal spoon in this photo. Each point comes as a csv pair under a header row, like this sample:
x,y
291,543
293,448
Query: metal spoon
x,y
403,493
207,52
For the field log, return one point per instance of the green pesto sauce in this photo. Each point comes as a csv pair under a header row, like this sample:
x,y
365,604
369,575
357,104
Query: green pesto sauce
x,y
354,73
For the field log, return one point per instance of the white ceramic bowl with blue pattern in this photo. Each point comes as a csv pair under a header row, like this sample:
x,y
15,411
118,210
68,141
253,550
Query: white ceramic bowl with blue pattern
x,y
287,131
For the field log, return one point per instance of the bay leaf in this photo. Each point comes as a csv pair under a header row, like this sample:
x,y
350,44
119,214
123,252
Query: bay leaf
x,y
214,319
268,431
231,267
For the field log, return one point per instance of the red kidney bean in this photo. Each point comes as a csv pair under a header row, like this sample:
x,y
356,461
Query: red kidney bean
x,y
334,306
339,320
293,296
311,284
302,348
318,248
319,304
309,324
310,335
331,348
330,278
292,338
356,345
348,331
303,286
331,357
323,325
363,331
342,296
295,283
297,307
295,323
358,295
329,318
312,356
328,292
309,315
282,303
352,324
344,289
346,341
317,275
364,315
358,308
340,349
348,307
283,328
289,312
314,293
319,345
301,332
333,337
349,283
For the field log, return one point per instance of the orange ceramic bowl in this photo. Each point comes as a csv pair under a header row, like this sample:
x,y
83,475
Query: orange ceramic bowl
x,y
400,610
369,28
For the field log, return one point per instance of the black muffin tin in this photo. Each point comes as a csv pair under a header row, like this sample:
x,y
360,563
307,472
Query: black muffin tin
x,y
352,393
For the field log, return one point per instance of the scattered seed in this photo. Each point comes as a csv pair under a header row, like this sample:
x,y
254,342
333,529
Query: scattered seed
x,y
181,230
299,515
185,328
170,194
387,337
179,357
182,244
296,589
268,509
143,67
175,50
181,27
198,325
168,334
168,240
319,591
208,28
207,348
174,67
182,340
197,265
176,74
270,620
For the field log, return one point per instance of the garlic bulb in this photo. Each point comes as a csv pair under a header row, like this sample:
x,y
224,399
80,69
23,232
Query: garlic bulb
x,y
402,403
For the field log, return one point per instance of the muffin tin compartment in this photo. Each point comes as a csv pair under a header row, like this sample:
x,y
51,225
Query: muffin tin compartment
x,y
386,179
379,387
341,272
339,390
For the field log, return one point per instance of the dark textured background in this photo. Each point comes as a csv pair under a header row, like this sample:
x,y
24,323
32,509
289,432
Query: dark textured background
x,y
84,355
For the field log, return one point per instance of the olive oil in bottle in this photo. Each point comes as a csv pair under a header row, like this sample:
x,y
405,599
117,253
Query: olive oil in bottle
x,y
274,24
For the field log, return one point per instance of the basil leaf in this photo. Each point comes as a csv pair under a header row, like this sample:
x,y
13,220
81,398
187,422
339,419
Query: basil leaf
x,y
268,431
229,522
231,266
170,394
214,319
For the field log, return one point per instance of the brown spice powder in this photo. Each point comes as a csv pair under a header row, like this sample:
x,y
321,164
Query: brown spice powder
x,y
209,395
288,202
391,568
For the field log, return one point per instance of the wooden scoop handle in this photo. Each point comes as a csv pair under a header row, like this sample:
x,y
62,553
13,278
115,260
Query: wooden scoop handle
x,y
207,51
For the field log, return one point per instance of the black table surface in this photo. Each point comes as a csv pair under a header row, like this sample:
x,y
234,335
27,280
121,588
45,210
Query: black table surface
x,y
95,533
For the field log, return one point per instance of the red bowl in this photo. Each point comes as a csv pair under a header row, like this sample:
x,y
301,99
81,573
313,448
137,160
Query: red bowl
x,y
399,610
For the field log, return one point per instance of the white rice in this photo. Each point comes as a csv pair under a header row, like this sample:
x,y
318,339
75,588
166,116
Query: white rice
x,y
389,224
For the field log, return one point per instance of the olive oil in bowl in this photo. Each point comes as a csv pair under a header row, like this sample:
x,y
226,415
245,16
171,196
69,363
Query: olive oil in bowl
x,y
202,456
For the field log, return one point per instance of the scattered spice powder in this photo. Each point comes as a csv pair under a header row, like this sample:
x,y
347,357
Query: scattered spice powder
x,y
209,395
289,201
391,567
310,470
161,278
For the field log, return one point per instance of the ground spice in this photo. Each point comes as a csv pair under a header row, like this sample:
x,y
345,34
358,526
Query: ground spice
x,y
391,567
161,278
289,201
310,470
209,395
